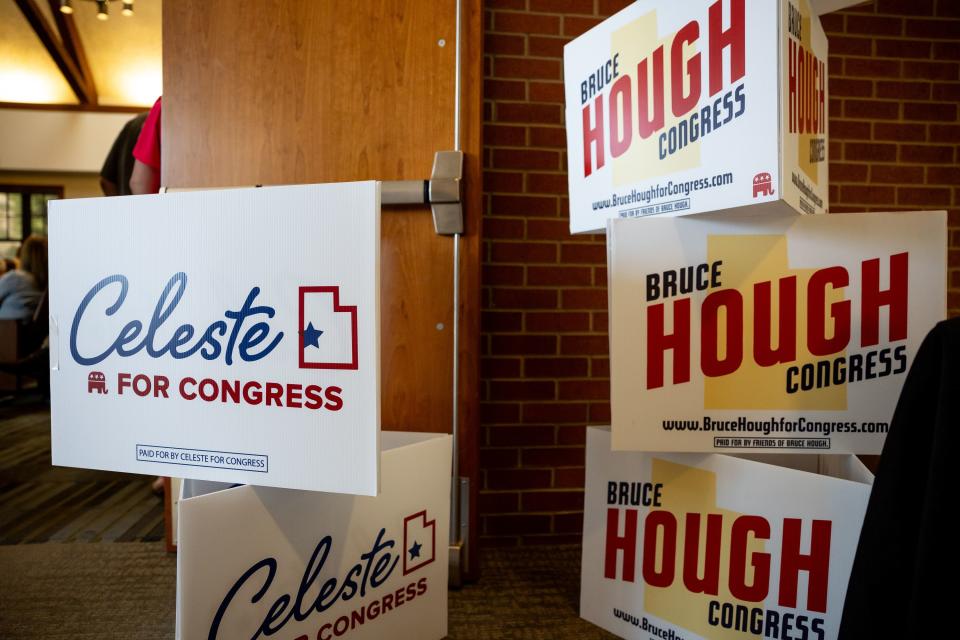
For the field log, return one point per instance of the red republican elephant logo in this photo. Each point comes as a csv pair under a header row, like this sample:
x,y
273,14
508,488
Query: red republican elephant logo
x,y
762,184
96,381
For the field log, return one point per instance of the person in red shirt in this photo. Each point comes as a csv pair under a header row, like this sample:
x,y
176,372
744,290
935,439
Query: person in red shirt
x,y
146,165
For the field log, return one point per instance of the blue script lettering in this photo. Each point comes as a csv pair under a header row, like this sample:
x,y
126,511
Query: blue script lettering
x,y
129,342
374,568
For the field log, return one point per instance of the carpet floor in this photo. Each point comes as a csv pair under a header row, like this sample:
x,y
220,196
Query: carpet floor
x,y
56,585
43,503
127,591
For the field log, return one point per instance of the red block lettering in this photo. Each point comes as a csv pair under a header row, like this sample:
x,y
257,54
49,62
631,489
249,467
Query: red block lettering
x,y
817,564
593,135
680,103
742,528
815,106
659,520
621,117
806,87
626,544
820,98
658,342
786,350
792,84
650,124
872,298
734,38
817,340
710,361
710,582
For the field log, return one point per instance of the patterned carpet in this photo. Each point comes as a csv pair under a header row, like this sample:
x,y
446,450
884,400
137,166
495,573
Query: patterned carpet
x,y
43,503
56,586
87,591
127,591
529,593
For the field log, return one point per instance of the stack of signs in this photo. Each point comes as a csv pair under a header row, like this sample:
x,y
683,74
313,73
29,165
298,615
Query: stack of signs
x,y
336,565
748,335
753,330
222,335
233,337
660,96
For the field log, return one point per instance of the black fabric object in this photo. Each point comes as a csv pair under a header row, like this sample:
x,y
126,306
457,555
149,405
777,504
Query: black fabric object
x,y
903,579
118,167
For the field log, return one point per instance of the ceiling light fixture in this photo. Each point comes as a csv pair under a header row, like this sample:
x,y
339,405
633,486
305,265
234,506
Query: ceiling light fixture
x,y
103,8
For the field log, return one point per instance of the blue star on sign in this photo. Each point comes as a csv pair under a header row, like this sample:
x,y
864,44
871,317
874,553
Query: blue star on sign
x,y
415,550
311,336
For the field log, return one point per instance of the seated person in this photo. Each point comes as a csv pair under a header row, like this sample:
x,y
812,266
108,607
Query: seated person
x,y
22,288
7,264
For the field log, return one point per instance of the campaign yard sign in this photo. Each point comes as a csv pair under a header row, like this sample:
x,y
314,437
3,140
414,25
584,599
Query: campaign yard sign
x,y
674,108
257,562
688,546
223,335
757,333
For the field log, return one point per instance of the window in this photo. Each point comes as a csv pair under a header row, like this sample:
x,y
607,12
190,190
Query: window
x,y
23,210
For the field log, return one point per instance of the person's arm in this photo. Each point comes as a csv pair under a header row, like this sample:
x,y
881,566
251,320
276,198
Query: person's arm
x,y
109,187
7,285
144,179
109,171
146,166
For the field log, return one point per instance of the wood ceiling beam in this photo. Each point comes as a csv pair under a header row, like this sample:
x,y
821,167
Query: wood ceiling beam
x,y
56,50
70,38
95,108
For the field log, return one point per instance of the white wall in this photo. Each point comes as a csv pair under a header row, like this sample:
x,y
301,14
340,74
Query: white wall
x,y
45,141
75,185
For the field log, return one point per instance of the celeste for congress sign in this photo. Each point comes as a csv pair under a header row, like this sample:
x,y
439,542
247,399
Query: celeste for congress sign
x,y
258,562
222,335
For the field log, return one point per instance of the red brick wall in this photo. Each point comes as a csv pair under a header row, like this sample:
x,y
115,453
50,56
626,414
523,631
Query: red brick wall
x,y
894,93
895,88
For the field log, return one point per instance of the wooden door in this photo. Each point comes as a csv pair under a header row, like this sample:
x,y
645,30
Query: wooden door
x,y
277,92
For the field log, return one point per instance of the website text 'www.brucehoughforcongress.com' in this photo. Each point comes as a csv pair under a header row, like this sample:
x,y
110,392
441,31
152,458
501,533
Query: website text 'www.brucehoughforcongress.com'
x,y
657,192
774,426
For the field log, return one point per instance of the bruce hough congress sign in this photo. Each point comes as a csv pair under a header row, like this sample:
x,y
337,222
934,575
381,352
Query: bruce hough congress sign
x,y
759,333
222,335
681,547
662,96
